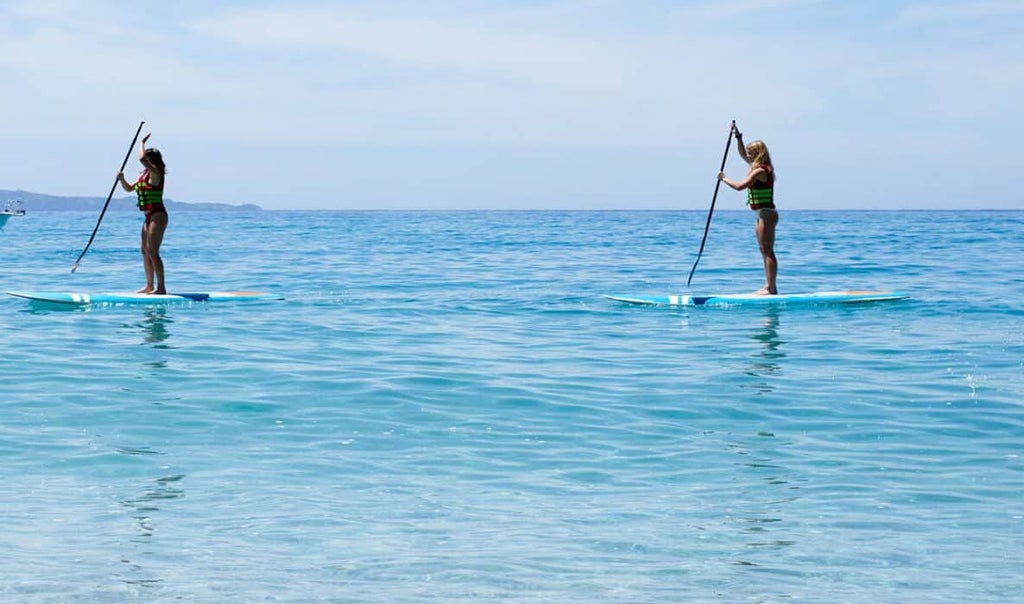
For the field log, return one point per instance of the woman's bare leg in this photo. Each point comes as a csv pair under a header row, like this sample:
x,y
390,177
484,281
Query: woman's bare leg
x,y
152,237
146,264
765,229
157,227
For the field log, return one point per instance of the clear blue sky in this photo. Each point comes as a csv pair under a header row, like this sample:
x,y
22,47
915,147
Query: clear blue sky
x,y
518,103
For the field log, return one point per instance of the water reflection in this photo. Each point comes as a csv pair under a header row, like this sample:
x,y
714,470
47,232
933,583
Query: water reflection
x,y
154,327
145,505
762,513
36,307
144,508
766,361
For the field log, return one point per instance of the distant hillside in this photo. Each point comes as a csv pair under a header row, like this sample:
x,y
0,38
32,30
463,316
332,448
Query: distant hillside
x,y
39,201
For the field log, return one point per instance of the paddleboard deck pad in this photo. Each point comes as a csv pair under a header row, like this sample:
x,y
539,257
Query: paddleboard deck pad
x,y
829,297
112,298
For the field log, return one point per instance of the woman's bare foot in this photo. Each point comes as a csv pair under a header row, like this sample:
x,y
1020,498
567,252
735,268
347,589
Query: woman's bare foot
x,y
764,291
145,290
158,292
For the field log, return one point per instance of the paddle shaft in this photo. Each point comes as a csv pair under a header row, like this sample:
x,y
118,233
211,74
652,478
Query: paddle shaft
x,y
718,183
111,195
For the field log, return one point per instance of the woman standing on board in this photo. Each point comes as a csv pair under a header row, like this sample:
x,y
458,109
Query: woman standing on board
x,y
150,190
760,184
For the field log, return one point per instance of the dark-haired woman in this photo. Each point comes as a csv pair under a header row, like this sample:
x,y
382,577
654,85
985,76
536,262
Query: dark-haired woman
x,y
150,190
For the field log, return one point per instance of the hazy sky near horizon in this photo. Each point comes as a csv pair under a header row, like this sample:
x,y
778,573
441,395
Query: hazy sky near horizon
x,y
518,103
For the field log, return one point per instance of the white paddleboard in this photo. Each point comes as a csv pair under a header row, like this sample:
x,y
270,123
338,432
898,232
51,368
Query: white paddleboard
x,y
828,297
83,299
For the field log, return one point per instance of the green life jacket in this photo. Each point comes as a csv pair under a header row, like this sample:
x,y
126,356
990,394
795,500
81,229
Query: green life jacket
x,y
761,194
150,197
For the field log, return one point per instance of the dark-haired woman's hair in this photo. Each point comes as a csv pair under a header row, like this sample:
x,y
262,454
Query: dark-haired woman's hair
x,y
154,157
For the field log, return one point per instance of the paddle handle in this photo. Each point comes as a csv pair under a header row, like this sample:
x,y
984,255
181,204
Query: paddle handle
x,y
718,183
131,147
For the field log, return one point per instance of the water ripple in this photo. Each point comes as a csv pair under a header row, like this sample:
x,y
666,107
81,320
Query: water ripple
x,y
444,408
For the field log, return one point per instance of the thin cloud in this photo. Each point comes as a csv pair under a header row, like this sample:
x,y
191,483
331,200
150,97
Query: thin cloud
x,y
559,79
957,12
525,79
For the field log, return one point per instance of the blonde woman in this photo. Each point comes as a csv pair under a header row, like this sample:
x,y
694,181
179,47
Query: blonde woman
x,y
760,185
150,189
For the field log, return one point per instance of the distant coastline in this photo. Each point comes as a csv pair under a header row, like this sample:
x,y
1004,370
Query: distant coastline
x,y
42,202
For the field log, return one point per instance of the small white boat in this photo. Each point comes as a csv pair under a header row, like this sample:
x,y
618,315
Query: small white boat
x,y
13,208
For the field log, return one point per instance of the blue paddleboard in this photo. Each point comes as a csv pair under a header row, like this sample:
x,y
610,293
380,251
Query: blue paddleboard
x,y
831,297
83,299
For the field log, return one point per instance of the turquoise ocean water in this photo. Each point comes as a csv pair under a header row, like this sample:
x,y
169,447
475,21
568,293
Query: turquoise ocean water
x,y
445,409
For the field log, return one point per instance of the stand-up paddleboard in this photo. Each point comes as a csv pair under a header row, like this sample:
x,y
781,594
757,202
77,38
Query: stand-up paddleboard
x,y
831,297
83,299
